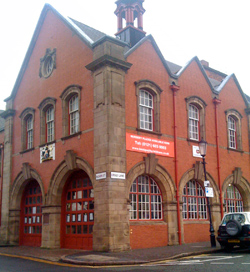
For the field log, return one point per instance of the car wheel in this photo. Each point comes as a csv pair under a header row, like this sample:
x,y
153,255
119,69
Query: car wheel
x,y
233,227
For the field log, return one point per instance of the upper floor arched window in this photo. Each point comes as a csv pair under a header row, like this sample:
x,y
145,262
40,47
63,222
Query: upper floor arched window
x,y
47,120
50,127
146,110
233,119
196,118
148,103
74,114
71,98
27,129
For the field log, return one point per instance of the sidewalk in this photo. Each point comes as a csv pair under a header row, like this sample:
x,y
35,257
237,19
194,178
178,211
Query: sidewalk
x,y
82,257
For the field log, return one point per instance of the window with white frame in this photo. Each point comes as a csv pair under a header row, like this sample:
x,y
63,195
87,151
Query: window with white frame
x,y
27,128
29,134
234,135
196,118
47,120
146,110
71,98
194,202
146,200
232,132
74,114
194,122
50,131
233,200
148,106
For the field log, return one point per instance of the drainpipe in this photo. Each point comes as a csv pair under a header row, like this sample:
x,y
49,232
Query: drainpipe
x,y
1,192
216,103
174,89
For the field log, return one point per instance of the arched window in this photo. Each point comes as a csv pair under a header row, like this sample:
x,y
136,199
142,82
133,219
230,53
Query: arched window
x,y
148,104
194,122
27,129
196,118
74,114
194,202
146,200
146,110
233,119
47,120
232,132
233,200
71,97
29,133
50,131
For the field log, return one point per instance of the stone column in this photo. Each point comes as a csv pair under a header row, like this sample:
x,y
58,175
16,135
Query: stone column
x,y
7,166
51,226
111,228
14,227
170,210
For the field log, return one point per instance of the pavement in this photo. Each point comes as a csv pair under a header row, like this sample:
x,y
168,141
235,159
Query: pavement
x,y
92,258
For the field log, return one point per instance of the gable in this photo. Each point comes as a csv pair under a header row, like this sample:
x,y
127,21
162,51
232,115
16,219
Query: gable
x,y
231,93
77,29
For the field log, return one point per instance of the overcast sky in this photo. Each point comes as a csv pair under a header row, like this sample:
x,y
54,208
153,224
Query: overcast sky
x,y
216,31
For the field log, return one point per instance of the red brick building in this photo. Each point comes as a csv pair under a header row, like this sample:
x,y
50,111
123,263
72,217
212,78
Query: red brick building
x,y
101,137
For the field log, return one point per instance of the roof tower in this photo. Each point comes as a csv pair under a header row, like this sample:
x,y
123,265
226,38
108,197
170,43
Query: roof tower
x,y
130,11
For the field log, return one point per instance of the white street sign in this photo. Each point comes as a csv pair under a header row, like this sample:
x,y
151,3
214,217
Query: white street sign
x,y
209,192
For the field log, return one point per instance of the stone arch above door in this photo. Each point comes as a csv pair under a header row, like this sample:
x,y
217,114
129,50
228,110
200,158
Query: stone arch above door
x,y
23,178
241,183
151,167
70,164
198,175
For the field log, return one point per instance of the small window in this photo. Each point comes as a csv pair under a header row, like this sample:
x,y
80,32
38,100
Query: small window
x,y
50,124
233,200
29,134
233,119
74,114
194,202
194,122
71,110
196,118
27,129
146,110
146,200
232,132
148,106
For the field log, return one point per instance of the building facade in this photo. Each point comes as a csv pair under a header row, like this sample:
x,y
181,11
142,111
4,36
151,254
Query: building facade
x,y
101,141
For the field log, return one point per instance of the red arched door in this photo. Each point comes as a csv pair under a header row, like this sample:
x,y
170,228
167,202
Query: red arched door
x,y
78,213
31,215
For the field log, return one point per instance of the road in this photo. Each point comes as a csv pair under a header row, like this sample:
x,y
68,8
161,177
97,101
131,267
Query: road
x,y
217,262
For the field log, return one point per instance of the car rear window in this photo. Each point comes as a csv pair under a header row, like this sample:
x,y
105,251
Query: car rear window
x,y
237,216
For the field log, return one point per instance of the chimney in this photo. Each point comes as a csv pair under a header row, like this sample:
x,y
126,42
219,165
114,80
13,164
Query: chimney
x,y
204,63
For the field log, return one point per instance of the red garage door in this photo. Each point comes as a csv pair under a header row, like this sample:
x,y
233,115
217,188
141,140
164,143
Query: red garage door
x,y
31,215
78,213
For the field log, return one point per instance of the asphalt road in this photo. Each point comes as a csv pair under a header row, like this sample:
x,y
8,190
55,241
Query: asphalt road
x,y
218,262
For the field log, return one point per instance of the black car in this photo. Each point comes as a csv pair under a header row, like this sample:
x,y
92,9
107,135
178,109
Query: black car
x,y
234,230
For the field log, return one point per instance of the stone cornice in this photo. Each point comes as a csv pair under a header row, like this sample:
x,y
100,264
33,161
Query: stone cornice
x,y
107,60
7,113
